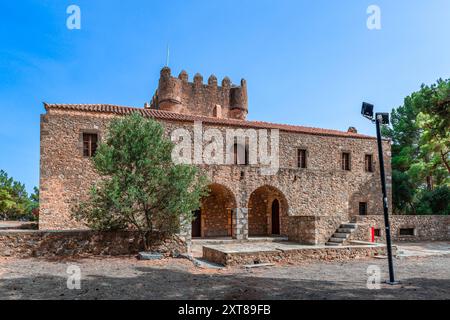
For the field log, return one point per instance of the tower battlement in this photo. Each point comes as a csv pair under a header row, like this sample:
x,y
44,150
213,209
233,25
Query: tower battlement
x,y
177,94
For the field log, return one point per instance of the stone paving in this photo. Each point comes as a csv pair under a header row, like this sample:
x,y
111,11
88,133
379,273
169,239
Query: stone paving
x,y
423,249
274,246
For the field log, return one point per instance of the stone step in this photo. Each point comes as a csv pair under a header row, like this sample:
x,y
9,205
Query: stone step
x,y
348,225
338,240
341,235
345,230
332,244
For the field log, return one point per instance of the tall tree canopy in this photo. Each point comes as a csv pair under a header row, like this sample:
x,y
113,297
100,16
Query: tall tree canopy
x,y
14,200
141,188
420,135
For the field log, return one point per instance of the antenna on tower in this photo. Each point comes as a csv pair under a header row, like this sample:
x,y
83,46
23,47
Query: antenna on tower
x,y
168,55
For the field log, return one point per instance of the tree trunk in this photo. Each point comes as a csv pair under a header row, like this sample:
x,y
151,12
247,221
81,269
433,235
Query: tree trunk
x,y
430,183
444,160
144,240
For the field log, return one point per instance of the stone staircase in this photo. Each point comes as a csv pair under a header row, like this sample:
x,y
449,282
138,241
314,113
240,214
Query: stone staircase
x,y
342,234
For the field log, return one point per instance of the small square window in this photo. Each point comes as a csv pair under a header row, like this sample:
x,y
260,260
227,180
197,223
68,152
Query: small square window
x,y
363,208
90,141
377,232
406,231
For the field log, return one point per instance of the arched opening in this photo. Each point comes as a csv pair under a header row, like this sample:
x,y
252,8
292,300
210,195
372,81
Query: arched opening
x,y
267,212
214,218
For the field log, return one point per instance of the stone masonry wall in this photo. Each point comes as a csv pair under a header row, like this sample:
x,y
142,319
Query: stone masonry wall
x,y
293,256
321,190
216,213
177,94
312,229
258,214
34,243
426,228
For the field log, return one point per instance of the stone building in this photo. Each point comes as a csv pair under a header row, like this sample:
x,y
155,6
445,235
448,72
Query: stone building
x,y
323,177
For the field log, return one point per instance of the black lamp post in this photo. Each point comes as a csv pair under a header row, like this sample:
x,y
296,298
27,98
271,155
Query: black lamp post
x,y
382,118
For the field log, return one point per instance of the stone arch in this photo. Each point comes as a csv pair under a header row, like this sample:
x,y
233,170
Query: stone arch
x,y
260,211
216,211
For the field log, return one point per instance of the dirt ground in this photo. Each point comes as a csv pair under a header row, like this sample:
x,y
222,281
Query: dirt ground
x,y
422,276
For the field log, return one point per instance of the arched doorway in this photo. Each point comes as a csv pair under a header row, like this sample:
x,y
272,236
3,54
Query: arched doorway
x,y
267,212
214,219
275,217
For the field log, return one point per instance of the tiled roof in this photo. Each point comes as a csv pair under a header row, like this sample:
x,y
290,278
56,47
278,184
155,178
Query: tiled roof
x,y
166,115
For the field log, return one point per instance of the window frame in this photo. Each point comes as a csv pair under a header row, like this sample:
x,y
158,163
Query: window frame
x,y
349,160
235,153
377,232
81,141
299,151
365,208
372,167
406,228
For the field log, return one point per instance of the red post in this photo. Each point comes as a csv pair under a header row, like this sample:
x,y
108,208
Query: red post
x,y
372,234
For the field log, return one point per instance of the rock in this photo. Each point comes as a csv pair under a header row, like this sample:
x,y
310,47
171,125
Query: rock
x,y
150,256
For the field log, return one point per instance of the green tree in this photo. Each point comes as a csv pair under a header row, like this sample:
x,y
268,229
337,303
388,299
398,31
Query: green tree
x,y
14,201
402,192
6,202
435,201
33,203
420,134
141,188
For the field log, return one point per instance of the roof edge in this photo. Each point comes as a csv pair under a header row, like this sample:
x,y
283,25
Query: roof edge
x,y
171,116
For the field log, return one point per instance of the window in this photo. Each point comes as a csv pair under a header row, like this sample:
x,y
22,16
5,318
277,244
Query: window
x,y
377,232
218,111
345,161
89,144
301,158
368,163
406,231
240,154
363,208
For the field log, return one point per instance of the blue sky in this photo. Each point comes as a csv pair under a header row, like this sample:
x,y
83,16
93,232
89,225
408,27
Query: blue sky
x,y
306,62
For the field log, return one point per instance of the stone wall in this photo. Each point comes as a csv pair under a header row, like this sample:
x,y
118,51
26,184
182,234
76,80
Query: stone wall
x,y
293,256
25,244
312,229
426,228
216,212
177,94
321,190
240,223
302,229
258,214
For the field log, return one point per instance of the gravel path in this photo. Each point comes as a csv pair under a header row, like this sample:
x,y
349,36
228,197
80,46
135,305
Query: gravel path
x,y
127,278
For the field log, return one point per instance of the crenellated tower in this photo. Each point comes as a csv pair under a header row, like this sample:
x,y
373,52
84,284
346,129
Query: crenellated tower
x,y
177,94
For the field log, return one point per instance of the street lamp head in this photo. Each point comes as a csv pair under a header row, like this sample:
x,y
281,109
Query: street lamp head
x,y
367,110
383,117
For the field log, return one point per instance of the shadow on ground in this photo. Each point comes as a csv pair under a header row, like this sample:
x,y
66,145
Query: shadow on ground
x,y
157,283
